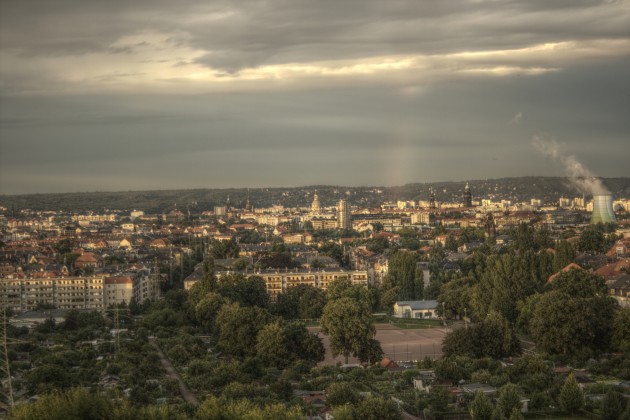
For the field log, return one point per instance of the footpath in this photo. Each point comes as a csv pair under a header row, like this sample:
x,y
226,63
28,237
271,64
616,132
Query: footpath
x,y
187,394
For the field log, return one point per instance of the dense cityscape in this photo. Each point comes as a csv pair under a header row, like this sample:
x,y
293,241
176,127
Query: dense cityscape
x,y
421,308
314,210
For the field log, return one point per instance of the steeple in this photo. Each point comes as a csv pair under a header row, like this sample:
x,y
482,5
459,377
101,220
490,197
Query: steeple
x,y
248,206
315,207
467,196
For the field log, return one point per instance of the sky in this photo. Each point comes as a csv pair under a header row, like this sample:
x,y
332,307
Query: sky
x,y
141,95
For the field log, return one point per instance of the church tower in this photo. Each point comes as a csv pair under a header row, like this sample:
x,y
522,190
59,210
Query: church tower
x,y
467,196
315,207
248,205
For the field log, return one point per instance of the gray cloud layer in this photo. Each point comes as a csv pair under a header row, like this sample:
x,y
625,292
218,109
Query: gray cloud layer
x,y
160,94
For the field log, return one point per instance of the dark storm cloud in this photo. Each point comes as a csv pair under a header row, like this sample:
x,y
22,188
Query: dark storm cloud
x,y
248,33
92,92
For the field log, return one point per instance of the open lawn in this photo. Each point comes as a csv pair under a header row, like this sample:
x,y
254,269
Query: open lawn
x,y
414,324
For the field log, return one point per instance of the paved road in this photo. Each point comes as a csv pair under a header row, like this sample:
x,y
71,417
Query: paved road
x,y
170,371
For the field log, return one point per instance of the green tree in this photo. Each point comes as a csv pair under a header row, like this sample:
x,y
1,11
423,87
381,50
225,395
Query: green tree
x,y
527,237
239,327
332,250
402,268
223,249
311,303
388,293
621,329
207,309
509,399
613,405
377,408
340,393
48,377
516,414
246,290
493,337
571,398
438,400
348,324
565,255
76,403
508,279
280,344
214,408
481,407
593,239
300,302
455,295
451,243
574,318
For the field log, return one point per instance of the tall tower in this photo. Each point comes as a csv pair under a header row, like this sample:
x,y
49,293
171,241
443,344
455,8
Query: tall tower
x,y
315,207
467,196
490,226
248,205
431,198
602,209
344,218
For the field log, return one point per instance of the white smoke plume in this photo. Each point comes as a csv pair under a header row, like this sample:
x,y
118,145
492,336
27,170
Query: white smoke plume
x,y
578,174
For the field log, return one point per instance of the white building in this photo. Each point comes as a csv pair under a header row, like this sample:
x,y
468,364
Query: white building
x,y
420,309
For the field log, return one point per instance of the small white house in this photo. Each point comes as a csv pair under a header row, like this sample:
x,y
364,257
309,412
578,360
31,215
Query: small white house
x,y
420,309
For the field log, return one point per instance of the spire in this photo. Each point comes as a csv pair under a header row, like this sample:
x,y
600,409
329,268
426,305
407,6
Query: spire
x,y
467,196
315,207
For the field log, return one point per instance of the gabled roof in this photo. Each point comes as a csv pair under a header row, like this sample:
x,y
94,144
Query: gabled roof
x,y
572,266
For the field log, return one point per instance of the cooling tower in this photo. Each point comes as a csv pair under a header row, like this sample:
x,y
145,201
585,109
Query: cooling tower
x,y
603,209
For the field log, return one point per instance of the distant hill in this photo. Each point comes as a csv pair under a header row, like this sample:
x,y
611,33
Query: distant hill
x,y
548,189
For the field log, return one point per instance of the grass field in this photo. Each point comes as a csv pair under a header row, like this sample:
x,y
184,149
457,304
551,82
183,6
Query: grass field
x,y
415,324
407,323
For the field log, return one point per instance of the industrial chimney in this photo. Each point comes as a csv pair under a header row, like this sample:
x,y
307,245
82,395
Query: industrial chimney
x,y
603,209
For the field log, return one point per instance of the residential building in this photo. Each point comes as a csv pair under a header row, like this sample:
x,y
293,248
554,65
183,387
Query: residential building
x,y
117,290
416,309
344,217
25,294
278,281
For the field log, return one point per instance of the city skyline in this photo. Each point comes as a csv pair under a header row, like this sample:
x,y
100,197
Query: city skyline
x,y
146,96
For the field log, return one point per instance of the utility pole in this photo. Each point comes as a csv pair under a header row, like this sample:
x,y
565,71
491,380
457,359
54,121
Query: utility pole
x,y
117,329
6,366
465,319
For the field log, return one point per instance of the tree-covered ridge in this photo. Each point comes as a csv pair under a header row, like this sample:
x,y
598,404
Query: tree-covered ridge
x,y
519,189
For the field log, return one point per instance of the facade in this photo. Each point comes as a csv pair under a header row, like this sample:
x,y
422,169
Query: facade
x,y
117,290
146,286
344,218
426,309
323,224
278,281
422,218
63,293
